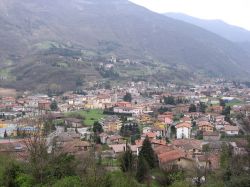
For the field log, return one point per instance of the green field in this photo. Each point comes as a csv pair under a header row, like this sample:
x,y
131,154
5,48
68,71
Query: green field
x,y
232,103
89,116
47,45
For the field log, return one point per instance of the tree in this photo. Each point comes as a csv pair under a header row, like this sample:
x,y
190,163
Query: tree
x,y
224,156
147,152
48,126
54,106
192,108
142,169
94,174
25,180
5,134
169,100
129,129
68,182
10,174
97,128
61,165
202,107
226,111
240,181
199,135
222,103
97,139
18,133
79,82
120,180
127,160
46,166
38,157
206,150
127,97
108,86
170,176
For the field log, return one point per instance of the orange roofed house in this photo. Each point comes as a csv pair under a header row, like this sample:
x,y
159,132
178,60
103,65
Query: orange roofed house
x,y
231,130
168,158
205,126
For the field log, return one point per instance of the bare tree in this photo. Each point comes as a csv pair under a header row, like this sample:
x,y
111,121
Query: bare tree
x,y
37,149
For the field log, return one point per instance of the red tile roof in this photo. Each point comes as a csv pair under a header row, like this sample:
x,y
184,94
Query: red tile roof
x,y
213,159
118,148
211,133
150,134
186,118
159,142
231,128
184,124
170,156
204,123
163,148
188,143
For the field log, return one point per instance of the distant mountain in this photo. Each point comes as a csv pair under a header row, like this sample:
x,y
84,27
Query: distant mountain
x,y
230,32
60,43
245,46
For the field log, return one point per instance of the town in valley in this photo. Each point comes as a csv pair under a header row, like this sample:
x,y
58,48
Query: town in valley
x,y
189,128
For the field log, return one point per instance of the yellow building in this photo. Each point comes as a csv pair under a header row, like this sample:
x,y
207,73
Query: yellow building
x,y
205,126
25,131
159,124
145,119
3,124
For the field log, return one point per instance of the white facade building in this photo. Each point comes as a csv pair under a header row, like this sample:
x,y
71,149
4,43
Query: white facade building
x,y
183,130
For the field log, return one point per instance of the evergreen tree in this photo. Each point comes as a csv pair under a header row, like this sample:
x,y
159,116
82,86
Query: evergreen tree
x,y
226,111
192,108
130,129
202,107
225,156
53,106
169,100
222,103
97,128
127,97
5,134
148,153
127,160
97,139
18,133
122,130
76,129
142,169
79,82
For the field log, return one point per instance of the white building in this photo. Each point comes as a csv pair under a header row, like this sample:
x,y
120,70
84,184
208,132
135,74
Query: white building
x,y
231,130
146,130
129,110
183,130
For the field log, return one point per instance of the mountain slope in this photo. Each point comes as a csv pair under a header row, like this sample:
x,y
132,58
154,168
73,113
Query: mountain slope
x,y
41,40
230,32
245,46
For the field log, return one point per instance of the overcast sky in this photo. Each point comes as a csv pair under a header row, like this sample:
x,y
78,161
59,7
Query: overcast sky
x,y
235,12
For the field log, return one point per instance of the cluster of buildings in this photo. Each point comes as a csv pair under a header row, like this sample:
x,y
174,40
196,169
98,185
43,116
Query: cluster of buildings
x,y
177,134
